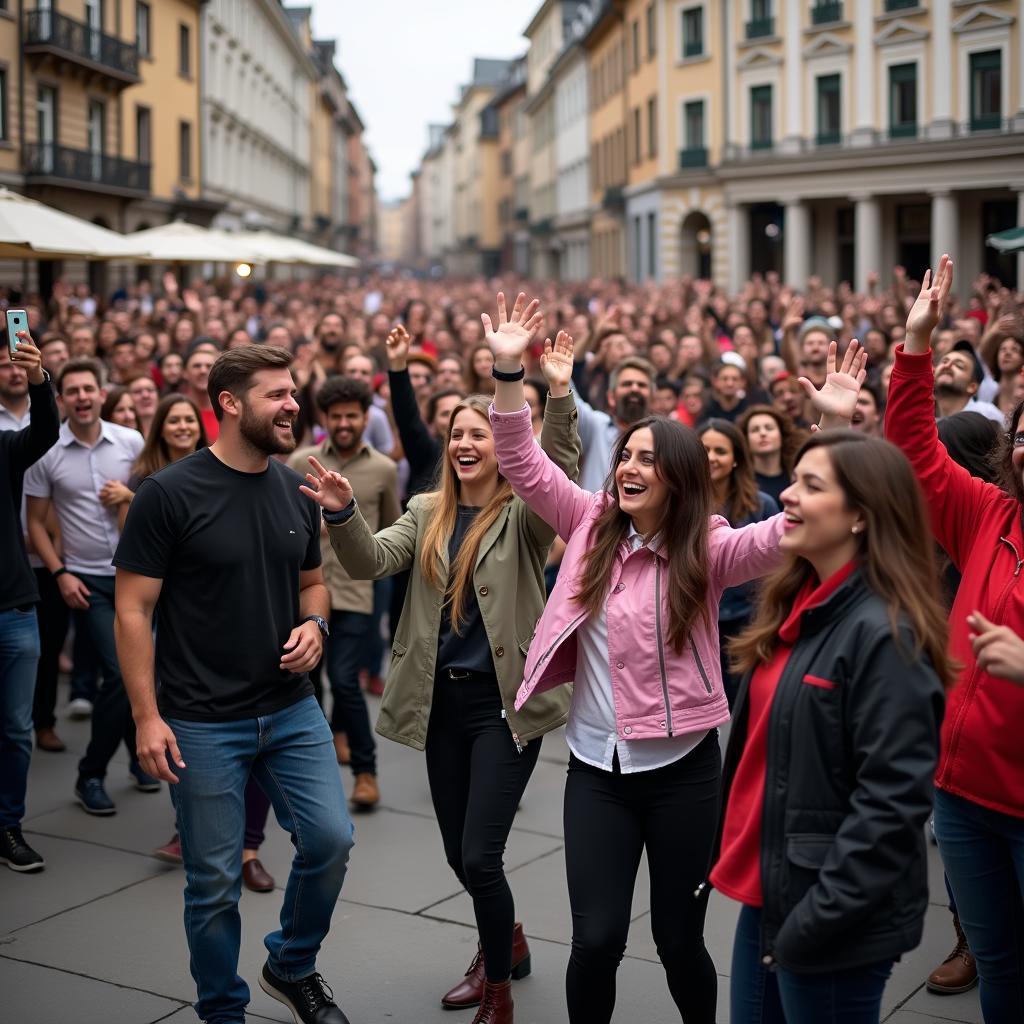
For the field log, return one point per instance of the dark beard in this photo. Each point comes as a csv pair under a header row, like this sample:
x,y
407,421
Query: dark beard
x,y
261,435
631,408
950,390
330,344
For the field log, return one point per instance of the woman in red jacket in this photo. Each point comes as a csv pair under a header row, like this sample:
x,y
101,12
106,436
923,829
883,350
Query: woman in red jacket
x,y
979,804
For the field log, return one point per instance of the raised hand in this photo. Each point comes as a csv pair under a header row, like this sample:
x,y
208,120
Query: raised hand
x,y
514,332
924,315
397,347
330,490
836,400
556,363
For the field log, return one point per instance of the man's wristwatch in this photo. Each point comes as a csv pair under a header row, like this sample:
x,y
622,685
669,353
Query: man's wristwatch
x,y
320,623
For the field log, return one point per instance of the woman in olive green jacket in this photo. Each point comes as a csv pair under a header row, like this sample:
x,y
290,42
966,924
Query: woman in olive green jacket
x,y
476,589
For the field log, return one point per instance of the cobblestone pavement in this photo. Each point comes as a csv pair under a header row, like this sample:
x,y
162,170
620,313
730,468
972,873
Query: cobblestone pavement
x,y
97,937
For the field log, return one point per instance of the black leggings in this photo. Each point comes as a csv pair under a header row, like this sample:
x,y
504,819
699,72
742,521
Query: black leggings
x,y
477,778
610,818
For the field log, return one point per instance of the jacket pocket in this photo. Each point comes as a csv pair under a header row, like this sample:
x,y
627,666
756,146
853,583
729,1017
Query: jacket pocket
x,y
821,683
524,646
398,649
808,850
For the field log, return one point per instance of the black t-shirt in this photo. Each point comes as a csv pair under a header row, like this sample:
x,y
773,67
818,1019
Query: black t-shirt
x,y
229,547
468,650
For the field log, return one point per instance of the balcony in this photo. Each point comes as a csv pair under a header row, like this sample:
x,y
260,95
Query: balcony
x,y
760,28
696,156
63,165
900,5
48,33
827,12
614,198
543,227
903,131
522,214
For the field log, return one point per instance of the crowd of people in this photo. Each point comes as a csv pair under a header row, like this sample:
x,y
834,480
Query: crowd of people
x,y
224,503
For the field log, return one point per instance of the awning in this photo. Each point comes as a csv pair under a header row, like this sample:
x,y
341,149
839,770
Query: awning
x,y
1011,240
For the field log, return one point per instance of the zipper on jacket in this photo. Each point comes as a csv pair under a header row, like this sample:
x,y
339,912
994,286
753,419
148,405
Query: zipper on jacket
x,y
661,643
1020,561
700,666
515,738
558,639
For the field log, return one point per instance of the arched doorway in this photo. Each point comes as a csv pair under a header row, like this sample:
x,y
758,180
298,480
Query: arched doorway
x,y
98,268
695,246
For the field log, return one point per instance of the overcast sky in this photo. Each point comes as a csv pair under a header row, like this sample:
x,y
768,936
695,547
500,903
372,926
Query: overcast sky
x,y
404,61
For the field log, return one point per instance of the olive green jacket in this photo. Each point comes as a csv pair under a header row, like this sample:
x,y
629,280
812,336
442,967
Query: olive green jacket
x,y
509,582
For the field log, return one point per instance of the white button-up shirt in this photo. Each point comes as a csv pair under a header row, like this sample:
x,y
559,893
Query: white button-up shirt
x,y
591,731
72,474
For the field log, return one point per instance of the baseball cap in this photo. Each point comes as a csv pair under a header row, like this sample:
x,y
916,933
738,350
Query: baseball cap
x,y
815,323
963,345
734,359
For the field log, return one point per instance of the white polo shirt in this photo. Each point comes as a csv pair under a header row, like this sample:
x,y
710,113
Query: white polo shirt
x,y
71,475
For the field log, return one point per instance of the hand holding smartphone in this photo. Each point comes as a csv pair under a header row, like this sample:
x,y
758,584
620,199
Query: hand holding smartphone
x,y
17,320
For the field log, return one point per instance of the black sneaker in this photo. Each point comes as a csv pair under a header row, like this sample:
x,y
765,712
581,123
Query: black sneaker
x,y
144,783
93,797
310,999
16,853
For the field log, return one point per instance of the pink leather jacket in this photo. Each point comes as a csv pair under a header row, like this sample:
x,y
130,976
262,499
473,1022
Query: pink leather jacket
x,y
658,692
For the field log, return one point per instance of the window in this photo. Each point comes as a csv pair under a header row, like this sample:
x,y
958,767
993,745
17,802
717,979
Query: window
x,y
761,117
143,135
694,154
830,125
185,151
652,245
652,127
636,43
986,90
761,22
637,149
96,137
693,32
142,28
3,105
184,51
652,33
902,100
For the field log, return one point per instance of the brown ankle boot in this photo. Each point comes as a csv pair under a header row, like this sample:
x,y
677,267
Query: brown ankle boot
x,y
496,1005
469,991
958,972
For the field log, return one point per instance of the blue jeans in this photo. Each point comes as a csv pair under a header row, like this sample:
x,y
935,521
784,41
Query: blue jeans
x,y
762,996
111,713
291,754
19,654
983,853
346,653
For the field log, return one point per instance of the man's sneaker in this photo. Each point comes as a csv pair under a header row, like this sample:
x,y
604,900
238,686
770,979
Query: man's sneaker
x,y
80,708
93,797
16,853
144,783
309,998
170,852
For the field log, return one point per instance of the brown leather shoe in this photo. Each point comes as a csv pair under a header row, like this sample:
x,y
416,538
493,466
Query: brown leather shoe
x,y
470,990
496,1005
341,748
958,972
256,877
365,792
47,739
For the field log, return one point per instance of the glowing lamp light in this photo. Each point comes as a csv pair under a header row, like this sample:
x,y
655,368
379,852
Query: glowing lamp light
x,y
243,269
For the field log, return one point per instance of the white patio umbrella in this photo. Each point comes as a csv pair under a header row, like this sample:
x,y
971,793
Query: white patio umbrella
x,y
281,249
181,242
32,230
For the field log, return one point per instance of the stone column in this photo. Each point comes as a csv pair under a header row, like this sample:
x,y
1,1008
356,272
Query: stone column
x,y
863,73
867,239
738,220
797,244
941,126
945,226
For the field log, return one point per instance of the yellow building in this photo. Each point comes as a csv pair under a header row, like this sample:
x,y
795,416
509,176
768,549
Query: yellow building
x,y
604,43
513,170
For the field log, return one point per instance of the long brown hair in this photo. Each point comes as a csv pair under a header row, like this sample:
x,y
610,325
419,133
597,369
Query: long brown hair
x,y
741,497
792,436
681,463
441,524
1010,480
155,455
895,552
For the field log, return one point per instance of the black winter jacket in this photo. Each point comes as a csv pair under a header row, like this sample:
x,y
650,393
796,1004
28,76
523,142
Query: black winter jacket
x,y
853,740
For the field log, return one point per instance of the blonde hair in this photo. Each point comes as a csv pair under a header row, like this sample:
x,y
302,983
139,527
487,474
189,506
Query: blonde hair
x,y
444,509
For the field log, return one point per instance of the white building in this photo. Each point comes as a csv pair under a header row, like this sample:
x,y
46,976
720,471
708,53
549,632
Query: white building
x,y
256,115
572,163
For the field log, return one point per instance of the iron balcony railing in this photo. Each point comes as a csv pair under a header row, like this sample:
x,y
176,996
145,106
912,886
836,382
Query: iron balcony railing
x,y
824,13
696,156
47,159
49,30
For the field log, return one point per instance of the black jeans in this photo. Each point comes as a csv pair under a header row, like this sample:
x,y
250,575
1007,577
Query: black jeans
x,y
610,818
477,778
345,655
54,615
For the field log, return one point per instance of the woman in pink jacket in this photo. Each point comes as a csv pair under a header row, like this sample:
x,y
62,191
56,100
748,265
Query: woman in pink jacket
x,y
633,620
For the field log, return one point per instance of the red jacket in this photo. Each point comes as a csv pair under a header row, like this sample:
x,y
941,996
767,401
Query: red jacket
x,y
979,526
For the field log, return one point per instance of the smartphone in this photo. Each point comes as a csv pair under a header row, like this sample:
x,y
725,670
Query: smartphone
x,y
17,320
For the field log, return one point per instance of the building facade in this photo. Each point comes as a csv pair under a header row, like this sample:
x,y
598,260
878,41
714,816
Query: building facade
x,y
572,157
